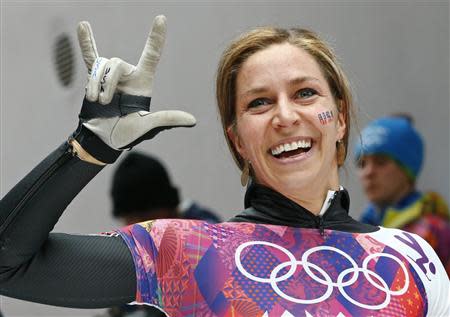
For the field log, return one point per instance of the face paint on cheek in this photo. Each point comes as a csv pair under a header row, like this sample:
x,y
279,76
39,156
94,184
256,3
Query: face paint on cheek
x,y
325,117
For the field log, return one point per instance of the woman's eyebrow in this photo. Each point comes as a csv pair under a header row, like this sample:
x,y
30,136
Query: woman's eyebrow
x,y
253,91
300,80
294,81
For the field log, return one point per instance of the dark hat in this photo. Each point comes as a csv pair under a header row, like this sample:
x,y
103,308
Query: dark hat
x,y
140,184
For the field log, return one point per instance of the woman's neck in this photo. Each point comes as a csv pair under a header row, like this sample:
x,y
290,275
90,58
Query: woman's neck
x,y
312,197
313,204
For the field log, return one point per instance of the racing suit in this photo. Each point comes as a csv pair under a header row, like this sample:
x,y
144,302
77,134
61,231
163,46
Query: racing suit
x,y
273,259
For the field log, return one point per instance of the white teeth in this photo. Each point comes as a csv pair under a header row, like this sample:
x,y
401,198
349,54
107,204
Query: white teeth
x,y
280,148
304,144
291,146
294,146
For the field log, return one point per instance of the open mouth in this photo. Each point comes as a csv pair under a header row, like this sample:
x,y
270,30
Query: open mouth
x,y
291,149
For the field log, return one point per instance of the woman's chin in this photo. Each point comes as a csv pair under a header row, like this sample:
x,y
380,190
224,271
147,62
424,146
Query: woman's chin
x,y
295,182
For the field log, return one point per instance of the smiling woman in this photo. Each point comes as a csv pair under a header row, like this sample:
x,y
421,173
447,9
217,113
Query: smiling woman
x,y
280,95
285,107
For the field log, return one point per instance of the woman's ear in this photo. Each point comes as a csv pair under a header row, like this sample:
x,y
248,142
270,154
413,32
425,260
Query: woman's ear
x,y
341,126
236,140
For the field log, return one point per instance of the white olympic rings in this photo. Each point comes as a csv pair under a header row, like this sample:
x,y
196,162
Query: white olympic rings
x,y
326,280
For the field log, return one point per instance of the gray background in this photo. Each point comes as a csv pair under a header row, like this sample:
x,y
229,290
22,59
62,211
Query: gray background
x,y
396,54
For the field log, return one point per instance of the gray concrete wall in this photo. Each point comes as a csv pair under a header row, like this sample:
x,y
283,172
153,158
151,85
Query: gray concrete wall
x,y
396,54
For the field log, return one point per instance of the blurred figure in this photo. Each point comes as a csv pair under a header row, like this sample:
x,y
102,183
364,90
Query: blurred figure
x,y
389,159
142,190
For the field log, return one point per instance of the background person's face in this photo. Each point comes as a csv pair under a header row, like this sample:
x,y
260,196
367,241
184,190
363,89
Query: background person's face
x,y
284,102
383,181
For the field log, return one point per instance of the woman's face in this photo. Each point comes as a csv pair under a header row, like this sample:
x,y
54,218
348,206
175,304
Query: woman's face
x,y
287,123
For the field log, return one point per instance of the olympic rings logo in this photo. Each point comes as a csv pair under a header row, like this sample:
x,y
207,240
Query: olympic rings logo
x,y
325,278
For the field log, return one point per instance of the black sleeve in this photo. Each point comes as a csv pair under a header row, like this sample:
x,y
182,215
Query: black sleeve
x,y
82,271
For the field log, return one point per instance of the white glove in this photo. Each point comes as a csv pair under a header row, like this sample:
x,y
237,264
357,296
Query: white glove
x,y
118,94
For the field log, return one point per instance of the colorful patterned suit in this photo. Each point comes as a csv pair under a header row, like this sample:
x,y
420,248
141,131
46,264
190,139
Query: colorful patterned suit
x,y
193,268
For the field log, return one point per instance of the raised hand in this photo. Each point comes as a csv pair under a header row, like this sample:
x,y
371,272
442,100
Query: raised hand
x,y
117,104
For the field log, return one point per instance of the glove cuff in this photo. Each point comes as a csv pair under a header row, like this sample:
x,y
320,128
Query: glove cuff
x,y
120,105
94,146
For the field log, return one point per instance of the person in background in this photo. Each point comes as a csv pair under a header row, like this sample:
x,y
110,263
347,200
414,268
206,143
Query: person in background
x,y
389,159
142,190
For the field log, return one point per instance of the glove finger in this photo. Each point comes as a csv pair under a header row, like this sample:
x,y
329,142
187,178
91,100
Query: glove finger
x,y
114,71
94,82
153,47
136,125
169,118
87,44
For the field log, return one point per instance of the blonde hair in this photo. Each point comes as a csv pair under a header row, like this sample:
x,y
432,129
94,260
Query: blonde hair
x,y
261,38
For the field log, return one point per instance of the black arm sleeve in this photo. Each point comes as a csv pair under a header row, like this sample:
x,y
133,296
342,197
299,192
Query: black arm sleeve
x,y
81,271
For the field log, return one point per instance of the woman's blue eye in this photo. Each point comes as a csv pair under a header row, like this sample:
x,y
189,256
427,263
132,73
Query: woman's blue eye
x,y
259,102
306,93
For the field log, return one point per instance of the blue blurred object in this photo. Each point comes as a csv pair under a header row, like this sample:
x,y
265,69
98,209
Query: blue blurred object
x,y
396,138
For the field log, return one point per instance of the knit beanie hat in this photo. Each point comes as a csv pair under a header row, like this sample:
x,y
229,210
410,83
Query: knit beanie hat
x,y
396,138
141,184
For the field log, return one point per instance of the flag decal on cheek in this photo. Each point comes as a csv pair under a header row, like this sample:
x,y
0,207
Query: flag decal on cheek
x,y
325,117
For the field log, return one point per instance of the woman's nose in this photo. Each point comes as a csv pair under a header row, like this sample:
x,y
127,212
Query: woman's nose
x,y
286,114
